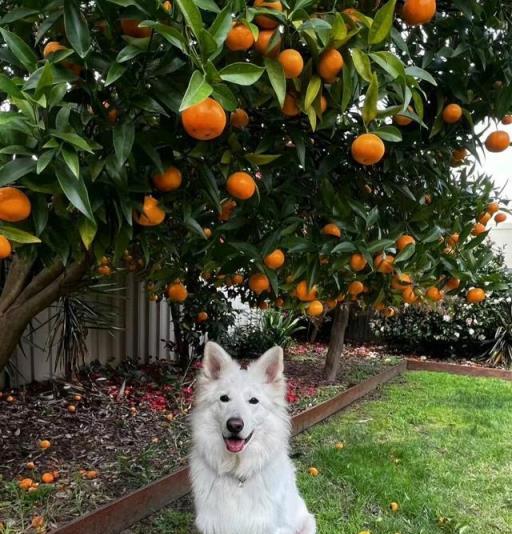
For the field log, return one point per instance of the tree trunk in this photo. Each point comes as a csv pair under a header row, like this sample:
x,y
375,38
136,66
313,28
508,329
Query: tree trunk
x,y
180,345
317,323
336,342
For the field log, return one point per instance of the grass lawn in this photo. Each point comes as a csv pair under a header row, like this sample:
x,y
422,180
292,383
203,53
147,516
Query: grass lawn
x,y
438,445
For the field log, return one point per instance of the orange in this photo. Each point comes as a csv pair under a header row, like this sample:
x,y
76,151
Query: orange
x,y
417,12
177,292
497,141
131,27
169,180
207,232
428,199
263,305
263,41
264,21
167,6
290,107
104,270
112,115
304,293
358,262
493,207
44,444
258,283
453,239
47,478
331,229
368,149
25,484
323,104
433,294
315,308
330,64
205,120
402,120
292,63
14,205
51,48
152,214
478,229
451,284
339,445
401,281
71,408
500,217
389,312
475,295
507,119
459,154
484,218
241,185
313,471
384,263
5,247
331,303
239,118
37,522
91,475
30,465
355,288
452,113
275,259
405,241
227,208
202,317
237,279
394,506
409,295
279,302
239,38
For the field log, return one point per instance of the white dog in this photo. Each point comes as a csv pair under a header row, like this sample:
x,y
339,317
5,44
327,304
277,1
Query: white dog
x,y
242,478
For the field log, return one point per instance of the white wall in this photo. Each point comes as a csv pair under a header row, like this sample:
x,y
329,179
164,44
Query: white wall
x,y
501,236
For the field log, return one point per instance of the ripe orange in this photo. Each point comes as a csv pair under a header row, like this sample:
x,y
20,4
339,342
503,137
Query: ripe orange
x,y
202,317
177,292
292,63
37,522
331,303
394,506
475,295
239,118
401,281
433,294
290,107
315,308
331,229
227,208
104,270
275,259
493,207
207,232
451,284
47,478
500,217
368,149
169,180
241,185
258,283
71,408
452,113
44,444
239,38
77,398
389,312
25,484
459,154
237,279
15,206
507,119
263,42
384,263
205,120
91,474
405,241
304,293
497,141
453,239
428,199
131,27
355,288
10,398
152,214
478,229
264,21
417,12
167,6
330,64
313,471
409,295
279,302
30,465
5,247
484,218
323,104
358,262
51,48
402,120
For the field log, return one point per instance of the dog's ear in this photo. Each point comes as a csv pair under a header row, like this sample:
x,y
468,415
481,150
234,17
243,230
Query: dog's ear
x,y
215,360
270,365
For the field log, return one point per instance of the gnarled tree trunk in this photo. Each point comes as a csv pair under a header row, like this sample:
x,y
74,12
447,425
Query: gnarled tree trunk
x,y
27,292
336,342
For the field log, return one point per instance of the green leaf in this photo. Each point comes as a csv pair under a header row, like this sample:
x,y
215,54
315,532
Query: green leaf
x,y
44,160
192,15
382,23
422,74
370,101
198,89
73,139
261,159
312,91
76,28
389,133
223,94
71,159
123,138
87,231
17,235
208,5
389,63
362,64
114,73
20,49
242,73
44,81
127,53
221,25
347,88
169,33
75,191
39,213
405,254
277,79
8,87
15,169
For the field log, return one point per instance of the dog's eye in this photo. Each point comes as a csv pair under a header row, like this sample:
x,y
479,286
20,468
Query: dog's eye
x,y
224,398
254,400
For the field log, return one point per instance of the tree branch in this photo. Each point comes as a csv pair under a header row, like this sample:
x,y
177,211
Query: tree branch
x,y
19,271
40,281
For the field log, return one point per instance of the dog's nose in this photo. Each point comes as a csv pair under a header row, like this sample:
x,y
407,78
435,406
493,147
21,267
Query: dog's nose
x,y
235,425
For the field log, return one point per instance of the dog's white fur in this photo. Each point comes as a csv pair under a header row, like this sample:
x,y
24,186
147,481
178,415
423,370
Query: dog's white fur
x,y
252,491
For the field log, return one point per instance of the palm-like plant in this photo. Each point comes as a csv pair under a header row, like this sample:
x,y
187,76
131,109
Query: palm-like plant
x,y
500,354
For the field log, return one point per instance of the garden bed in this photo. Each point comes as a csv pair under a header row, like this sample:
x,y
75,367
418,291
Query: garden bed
x,y
129,427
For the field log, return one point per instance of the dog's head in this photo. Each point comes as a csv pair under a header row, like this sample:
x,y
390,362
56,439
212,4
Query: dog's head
x,y
239,407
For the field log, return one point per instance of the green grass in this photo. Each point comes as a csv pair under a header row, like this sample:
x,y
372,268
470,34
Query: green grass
x,y
439,445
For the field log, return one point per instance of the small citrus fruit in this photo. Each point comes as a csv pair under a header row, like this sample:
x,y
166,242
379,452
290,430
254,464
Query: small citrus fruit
x,y
47,478
264,21
241,185
315,308
131,27
239,38
239,118
292,63
313,471
275,259
263,41
475,295
14,205
331,229
355,288
290,107
368,149
497,141
177,292
405,241
204,121
258,283
330,64
5,247
452,113
169,180
304,293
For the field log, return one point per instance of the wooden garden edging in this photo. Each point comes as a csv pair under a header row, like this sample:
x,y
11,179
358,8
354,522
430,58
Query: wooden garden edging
x,y
456,369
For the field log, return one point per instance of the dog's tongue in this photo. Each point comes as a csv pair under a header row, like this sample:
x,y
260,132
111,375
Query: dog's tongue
x,y
235,445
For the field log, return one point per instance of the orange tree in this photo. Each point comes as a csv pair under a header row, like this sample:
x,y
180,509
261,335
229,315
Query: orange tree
x,y
316,151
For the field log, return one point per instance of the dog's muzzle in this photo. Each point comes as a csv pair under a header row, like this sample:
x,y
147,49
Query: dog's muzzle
x,y
235,443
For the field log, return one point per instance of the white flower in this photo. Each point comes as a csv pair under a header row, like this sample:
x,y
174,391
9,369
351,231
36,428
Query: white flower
x,y
471,331
481,337
457,335
509,299
469,321
446,318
